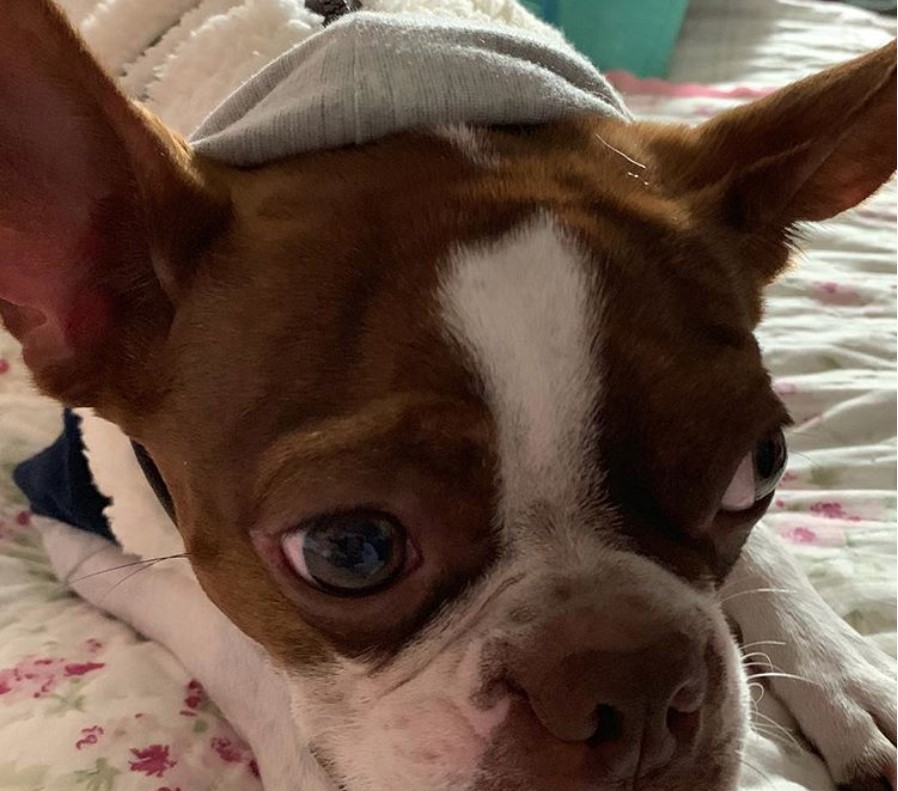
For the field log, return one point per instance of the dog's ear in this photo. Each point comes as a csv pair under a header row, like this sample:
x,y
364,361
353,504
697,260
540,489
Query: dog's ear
x,y
98,204
806,152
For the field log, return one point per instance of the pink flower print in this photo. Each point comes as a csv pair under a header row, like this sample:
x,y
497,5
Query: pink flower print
x,y
80,668
835,293
89,736
13,528
254,768
93,645
802,535
153,761
833,511
784,388
705,110
194,699
4,365
829,510
31,678
227,750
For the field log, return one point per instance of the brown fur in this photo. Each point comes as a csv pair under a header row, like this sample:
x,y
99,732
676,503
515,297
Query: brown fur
x,y
272,335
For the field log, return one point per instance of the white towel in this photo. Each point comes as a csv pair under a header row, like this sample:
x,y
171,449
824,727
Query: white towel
x,y
277,83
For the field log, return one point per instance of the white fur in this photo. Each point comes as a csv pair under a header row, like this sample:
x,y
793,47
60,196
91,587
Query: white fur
x,y
521,310
136,518
469,141
843,699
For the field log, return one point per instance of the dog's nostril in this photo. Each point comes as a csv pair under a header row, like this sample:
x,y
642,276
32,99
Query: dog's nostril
x,y
609,725
683,725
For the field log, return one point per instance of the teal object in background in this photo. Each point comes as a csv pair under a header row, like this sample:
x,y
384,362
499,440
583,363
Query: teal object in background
x,y
631,35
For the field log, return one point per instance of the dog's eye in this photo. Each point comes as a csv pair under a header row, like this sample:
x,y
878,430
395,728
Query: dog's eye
x,y
758,474
353,553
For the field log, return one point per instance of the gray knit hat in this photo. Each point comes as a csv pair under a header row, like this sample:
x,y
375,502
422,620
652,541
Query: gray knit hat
x,y
372,74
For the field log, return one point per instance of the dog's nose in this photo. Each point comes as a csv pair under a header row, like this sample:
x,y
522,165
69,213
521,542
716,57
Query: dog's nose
x,y
638,708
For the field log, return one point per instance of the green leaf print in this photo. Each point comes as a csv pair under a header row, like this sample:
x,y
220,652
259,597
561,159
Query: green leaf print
x,y
69,700
9,492
100,778
830,363
30,778
824,477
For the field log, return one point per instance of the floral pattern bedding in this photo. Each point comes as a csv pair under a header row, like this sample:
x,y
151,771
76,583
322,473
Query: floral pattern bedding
x,y
86,704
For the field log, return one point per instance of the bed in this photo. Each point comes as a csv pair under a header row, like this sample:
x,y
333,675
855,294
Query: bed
x,y
87,704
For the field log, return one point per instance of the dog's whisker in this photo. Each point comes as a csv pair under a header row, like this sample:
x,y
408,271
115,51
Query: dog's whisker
x,y
618,151
762,654
764,662
148,565
754,591
767,732
752,686
762,774
780,674
770,723
762,642
761,664
128,565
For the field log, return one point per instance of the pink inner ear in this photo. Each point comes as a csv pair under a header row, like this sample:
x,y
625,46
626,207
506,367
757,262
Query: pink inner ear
x,y
46,298
60,163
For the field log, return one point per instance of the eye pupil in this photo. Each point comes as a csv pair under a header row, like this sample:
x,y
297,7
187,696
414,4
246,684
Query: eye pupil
x,y
360,552
770,461
766,458
351,553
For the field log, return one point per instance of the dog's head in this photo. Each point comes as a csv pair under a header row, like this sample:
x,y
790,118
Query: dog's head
x,y
464,426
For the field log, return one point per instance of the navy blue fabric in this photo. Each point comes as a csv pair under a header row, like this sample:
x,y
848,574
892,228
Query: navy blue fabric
x,y
58,483
154,478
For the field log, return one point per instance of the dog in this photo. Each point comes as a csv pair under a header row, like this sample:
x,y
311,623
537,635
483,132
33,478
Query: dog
x,y
464,430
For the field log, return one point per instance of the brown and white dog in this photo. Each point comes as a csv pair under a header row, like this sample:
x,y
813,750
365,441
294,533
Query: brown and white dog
x,y
526,382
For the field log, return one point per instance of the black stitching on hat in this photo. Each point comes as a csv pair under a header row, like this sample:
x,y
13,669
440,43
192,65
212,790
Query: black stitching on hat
x,y
332,10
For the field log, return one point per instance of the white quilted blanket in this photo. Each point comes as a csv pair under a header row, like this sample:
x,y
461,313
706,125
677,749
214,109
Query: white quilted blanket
x,y
86,704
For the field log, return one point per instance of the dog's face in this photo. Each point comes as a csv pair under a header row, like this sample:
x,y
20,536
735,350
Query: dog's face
x,y
435,508
465,427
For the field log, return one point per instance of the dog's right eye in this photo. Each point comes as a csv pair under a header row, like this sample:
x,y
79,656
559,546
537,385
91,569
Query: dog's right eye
x,y
758,474
348,554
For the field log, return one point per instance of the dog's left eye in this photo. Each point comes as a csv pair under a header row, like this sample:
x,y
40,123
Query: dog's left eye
x,y
347,554
758,473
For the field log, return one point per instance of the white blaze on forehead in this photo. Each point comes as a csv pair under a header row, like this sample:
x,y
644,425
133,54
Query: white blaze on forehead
x,y
524,309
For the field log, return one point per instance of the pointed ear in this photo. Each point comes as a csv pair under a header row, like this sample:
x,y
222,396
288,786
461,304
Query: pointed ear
x,y
806,152
97,204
